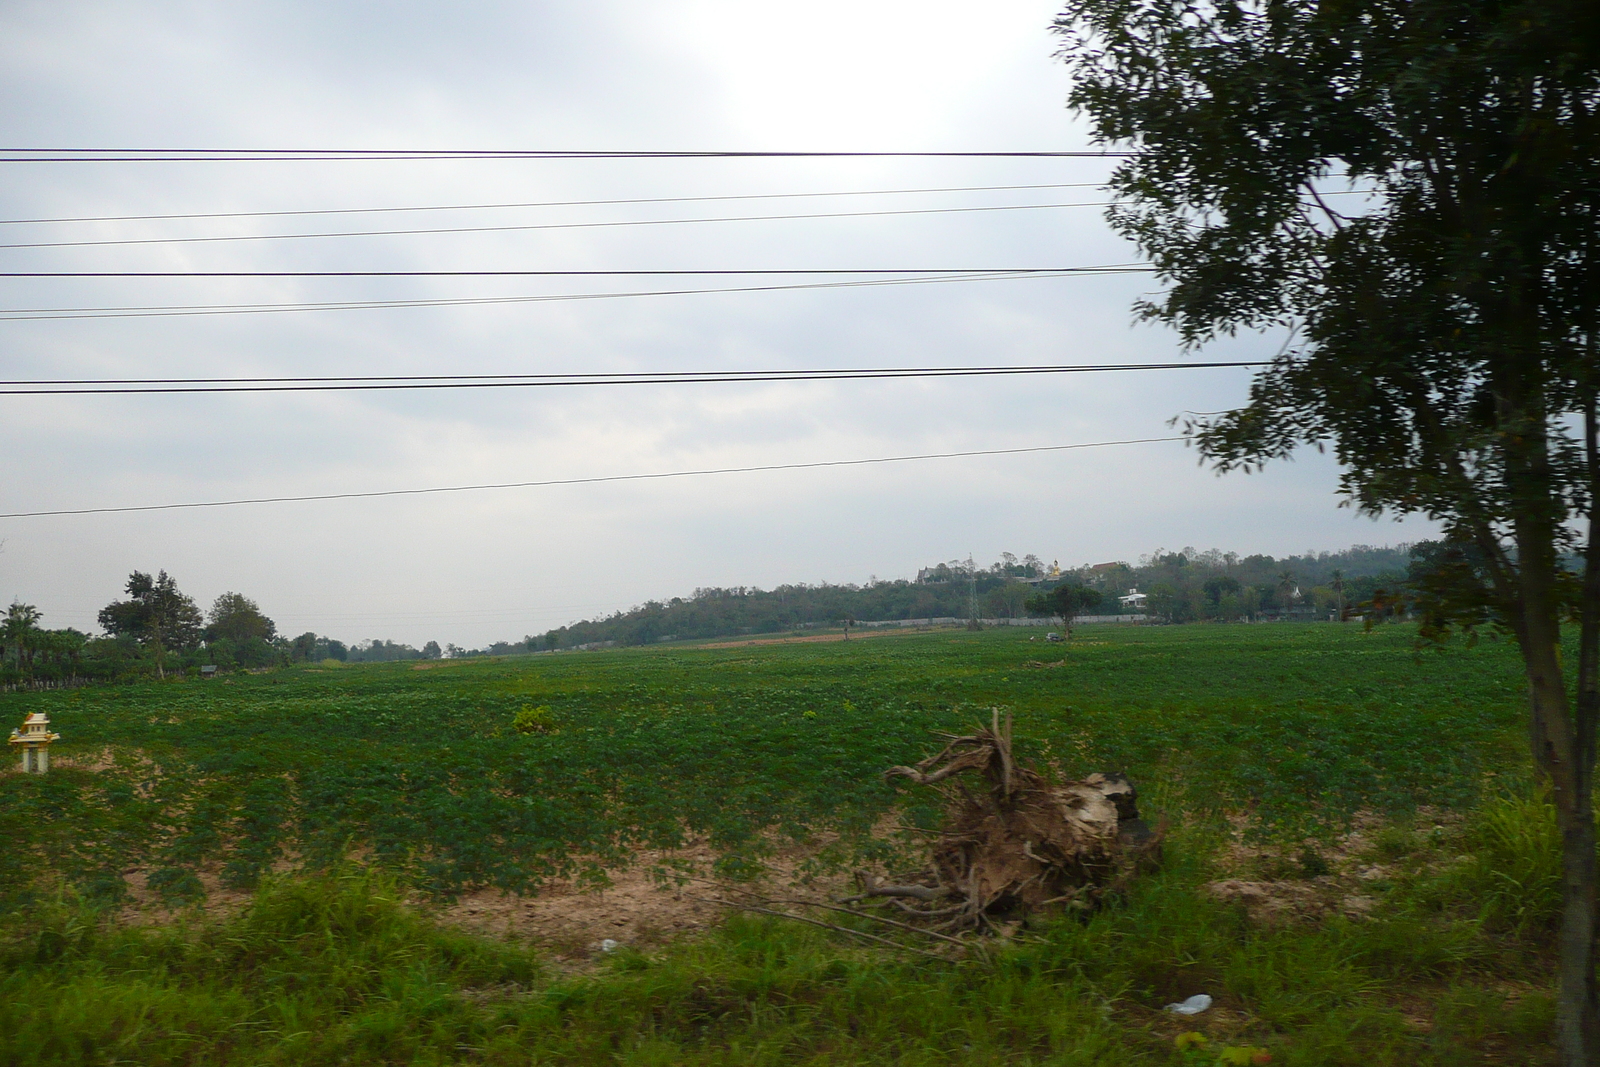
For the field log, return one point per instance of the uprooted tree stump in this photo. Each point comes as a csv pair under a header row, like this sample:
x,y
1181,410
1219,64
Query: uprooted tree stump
x,y
1021,844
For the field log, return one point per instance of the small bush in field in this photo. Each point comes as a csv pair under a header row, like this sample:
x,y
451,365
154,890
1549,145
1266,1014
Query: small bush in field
x,y
534,720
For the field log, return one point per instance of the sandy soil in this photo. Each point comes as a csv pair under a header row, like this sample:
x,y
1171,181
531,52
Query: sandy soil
x,y
572,923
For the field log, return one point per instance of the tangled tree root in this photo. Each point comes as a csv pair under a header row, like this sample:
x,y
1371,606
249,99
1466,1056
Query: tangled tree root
x,y
1021,844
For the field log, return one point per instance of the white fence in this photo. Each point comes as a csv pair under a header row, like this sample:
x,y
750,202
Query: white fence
x,y
951,621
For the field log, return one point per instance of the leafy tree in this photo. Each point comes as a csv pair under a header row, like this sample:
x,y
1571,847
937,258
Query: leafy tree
x,y
1443,327
237,618
1219,587
303,648
61,650
20,630
1067,601
1008,601
431,650
155,614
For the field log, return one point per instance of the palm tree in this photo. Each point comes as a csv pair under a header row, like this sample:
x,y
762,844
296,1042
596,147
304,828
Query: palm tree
x,y
18,628
1287,587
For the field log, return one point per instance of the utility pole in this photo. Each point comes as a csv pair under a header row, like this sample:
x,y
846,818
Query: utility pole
x,y
972,583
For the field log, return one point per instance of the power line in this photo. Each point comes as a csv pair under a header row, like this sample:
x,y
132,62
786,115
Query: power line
x,y
263,155
540,226
65,387
551,226
529,226
542,273
547,204
176,310
580,481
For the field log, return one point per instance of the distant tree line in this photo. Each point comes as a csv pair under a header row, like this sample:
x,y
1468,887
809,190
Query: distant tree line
x,y
158,631
1181,586
1191,586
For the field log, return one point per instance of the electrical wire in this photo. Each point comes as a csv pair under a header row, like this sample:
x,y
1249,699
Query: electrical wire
x,y
547,204
539,226
177,310
118,386
528,226
541,273
580,481
303,155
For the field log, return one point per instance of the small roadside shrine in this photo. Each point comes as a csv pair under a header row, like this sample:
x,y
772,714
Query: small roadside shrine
x,y
34,739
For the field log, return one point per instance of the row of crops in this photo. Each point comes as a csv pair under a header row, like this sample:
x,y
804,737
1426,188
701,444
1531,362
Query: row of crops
x,y
426,772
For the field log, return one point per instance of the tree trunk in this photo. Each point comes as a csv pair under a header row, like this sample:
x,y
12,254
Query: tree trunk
x,y
1578,849
1560,754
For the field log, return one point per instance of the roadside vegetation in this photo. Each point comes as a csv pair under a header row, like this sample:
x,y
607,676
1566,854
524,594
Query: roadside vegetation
x,y
1452,969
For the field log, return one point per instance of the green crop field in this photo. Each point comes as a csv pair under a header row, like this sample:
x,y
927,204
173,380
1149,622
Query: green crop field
x,y
423,770
385,781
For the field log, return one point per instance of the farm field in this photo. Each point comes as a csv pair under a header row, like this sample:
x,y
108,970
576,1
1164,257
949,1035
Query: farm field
x,y
421,773
423,769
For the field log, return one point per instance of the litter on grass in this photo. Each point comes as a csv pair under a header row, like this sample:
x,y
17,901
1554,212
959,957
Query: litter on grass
x,y
1193,1006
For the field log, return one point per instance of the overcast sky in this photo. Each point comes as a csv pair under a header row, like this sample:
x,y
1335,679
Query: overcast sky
x,y
470,568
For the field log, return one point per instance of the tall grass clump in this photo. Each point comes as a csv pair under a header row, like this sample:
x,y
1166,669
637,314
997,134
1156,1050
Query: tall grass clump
x,y
332,969
1510,873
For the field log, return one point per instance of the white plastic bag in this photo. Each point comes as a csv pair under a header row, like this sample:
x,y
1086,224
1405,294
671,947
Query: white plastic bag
x,y
1193,1006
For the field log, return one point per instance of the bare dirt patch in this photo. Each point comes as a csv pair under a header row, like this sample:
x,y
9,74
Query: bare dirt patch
x,y
636,910
143,906
1313,880
573,922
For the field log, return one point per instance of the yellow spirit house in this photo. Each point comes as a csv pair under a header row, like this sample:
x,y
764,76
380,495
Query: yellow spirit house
x,y
34,739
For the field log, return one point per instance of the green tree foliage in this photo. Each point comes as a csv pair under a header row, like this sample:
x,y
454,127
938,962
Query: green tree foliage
x,y
239,635
19,631
1191,585
238,618
31,654
156,615
155,611
303,648
379,650
1067,600
1447,321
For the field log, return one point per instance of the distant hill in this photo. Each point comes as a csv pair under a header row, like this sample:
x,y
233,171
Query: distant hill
x,y
1183,586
